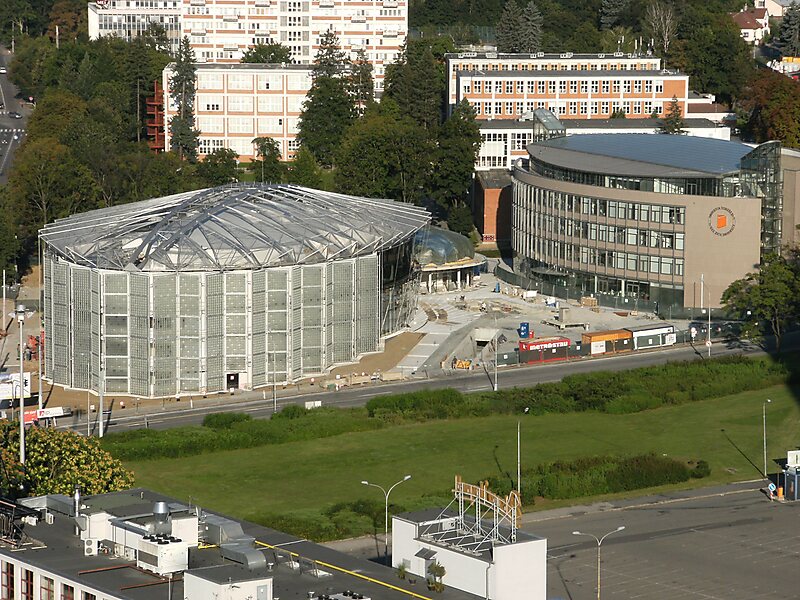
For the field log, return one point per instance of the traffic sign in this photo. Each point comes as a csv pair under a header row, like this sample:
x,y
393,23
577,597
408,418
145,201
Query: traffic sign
x,y
772,487
708,343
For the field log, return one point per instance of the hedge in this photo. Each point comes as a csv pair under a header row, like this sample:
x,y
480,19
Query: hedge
x,y
617,393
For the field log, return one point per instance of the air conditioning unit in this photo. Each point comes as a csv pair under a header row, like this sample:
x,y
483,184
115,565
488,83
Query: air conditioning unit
x,y
90,547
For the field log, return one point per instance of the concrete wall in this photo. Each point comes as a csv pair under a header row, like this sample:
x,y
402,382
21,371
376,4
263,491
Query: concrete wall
x,y
519,571
790,164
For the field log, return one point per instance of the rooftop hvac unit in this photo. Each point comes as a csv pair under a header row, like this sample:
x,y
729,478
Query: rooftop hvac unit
x,y
540,55
90,547
491,55
566,55
619,54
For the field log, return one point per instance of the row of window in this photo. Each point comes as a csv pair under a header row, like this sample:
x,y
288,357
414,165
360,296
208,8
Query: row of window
x,y
632,236
532,197
47,586
562,108
609,65
245,104
563,86
263,81
555,252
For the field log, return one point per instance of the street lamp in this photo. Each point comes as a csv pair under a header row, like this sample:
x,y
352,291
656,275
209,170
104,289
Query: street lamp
x,y
764,411
20,314
386,513
599,543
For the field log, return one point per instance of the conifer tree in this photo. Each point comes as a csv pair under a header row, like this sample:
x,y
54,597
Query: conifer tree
x,y
531,27
789,33
611,11
673,120
509,30
183,135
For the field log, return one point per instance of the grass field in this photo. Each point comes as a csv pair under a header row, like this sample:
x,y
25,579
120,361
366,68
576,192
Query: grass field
x,y
307,477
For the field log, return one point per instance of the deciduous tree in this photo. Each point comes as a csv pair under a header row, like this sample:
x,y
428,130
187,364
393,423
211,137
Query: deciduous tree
x,y
766,301
661,24
268,165
56,461
219,167
304,170
772,102
267,53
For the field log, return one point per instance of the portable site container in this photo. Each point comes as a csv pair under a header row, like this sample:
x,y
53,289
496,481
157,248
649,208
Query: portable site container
x,y
652,336
544,350
606,342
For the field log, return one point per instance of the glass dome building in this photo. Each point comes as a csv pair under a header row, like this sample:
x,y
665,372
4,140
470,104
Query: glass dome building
x,y
230,287
446,258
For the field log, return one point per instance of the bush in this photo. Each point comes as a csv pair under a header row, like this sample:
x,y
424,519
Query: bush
x,y
293,411
224,420
701,470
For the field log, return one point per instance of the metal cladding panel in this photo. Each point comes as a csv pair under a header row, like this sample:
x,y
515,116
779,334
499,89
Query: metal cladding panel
x,y
81,318
278,324
139,318
343,308
47,323
165,377
259,307
296,323
367,304
188,326
59,333
215,332
313,319
96,337
235,322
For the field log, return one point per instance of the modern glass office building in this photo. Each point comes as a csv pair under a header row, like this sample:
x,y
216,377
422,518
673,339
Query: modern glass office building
x,y
646,216
230,287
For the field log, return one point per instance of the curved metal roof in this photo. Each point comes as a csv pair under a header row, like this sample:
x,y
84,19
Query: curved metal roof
x,y
641,155
244,226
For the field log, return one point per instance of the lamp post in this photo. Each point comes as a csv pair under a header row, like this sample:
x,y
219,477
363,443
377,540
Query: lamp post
x,y
764,421
386,513
20,314
599,543
496,385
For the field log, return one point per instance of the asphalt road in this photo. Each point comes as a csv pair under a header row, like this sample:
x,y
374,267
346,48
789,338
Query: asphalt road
x,y
729,544
12,131
181,414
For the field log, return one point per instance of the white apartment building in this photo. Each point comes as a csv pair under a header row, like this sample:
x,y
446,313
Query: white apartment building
x,y
128,19
222,30
236,103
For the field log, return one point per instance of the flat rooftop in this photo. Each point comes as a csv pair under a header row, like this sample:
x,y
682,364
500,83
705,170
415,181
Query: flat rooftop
x,y
572,74
56,548
611,124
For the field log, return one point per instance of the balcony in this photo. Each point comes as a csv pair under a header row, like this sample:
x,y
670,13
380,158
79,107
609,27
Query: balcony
x,y
326,3
390,3
262,3
198,2
358,19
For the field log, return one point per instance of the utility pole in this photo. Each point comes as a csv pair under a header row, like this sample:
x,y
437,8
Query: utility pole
x,y
20,313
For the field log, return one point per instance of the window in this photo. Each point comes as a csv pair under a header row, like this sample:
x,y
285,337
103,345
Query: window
x,y
498,87
89,596
7,581
679,237
595,87
509,108
606,87
659,87
627,87
509,87
520,87
648,86
573,87
562,87
540,87
573,108
26,593
48,589
551,87
531,86
615,86
584,108
637,87
584,87
67,592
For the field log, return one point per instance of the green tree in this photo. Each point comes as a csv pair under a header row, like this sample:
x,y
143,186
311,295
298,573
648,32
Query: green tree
x,y
55,461
381,156
459,142
673,119
330,60
531,28
459,219
789,33
611,12
304,170
183,135
766,301
268,53
328,112
416,83
269,164
54,114
359,81
772,103
219,167
510,30
71,18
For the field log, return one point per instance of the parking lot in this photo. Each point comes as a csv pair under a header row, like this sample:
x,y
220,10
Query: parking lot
x,y
727,547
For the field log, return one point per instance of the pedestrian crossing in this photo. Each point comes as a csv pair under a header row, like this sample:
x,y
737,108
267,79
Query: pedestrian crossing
x,y
12,130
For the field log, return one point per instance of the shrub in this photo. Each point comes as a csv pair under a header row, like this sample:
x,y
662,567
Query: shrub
x,y
293,411
701,470
224,420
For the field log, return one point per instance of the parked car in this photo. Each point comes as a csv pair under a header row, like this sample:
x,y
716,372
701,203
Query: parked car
x,y
14,115
3,71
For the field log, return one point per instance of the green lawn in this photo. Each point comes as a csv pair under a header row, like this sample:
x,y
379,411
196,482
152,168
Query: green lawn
x,y
305,477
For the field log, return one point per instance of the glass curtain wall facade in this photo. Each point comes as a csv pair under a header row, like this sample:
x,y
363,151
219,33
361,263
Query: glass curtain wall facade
x,y
165,334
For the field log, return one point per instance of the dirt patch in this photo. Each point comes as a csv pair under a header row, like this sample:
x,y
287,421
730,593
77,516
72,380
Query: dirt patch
x,y
394,351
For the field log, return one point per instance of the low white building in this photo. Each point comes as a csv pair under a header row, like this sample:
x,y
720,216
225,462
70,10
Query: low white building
x,y
503,141
486,556
236,103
